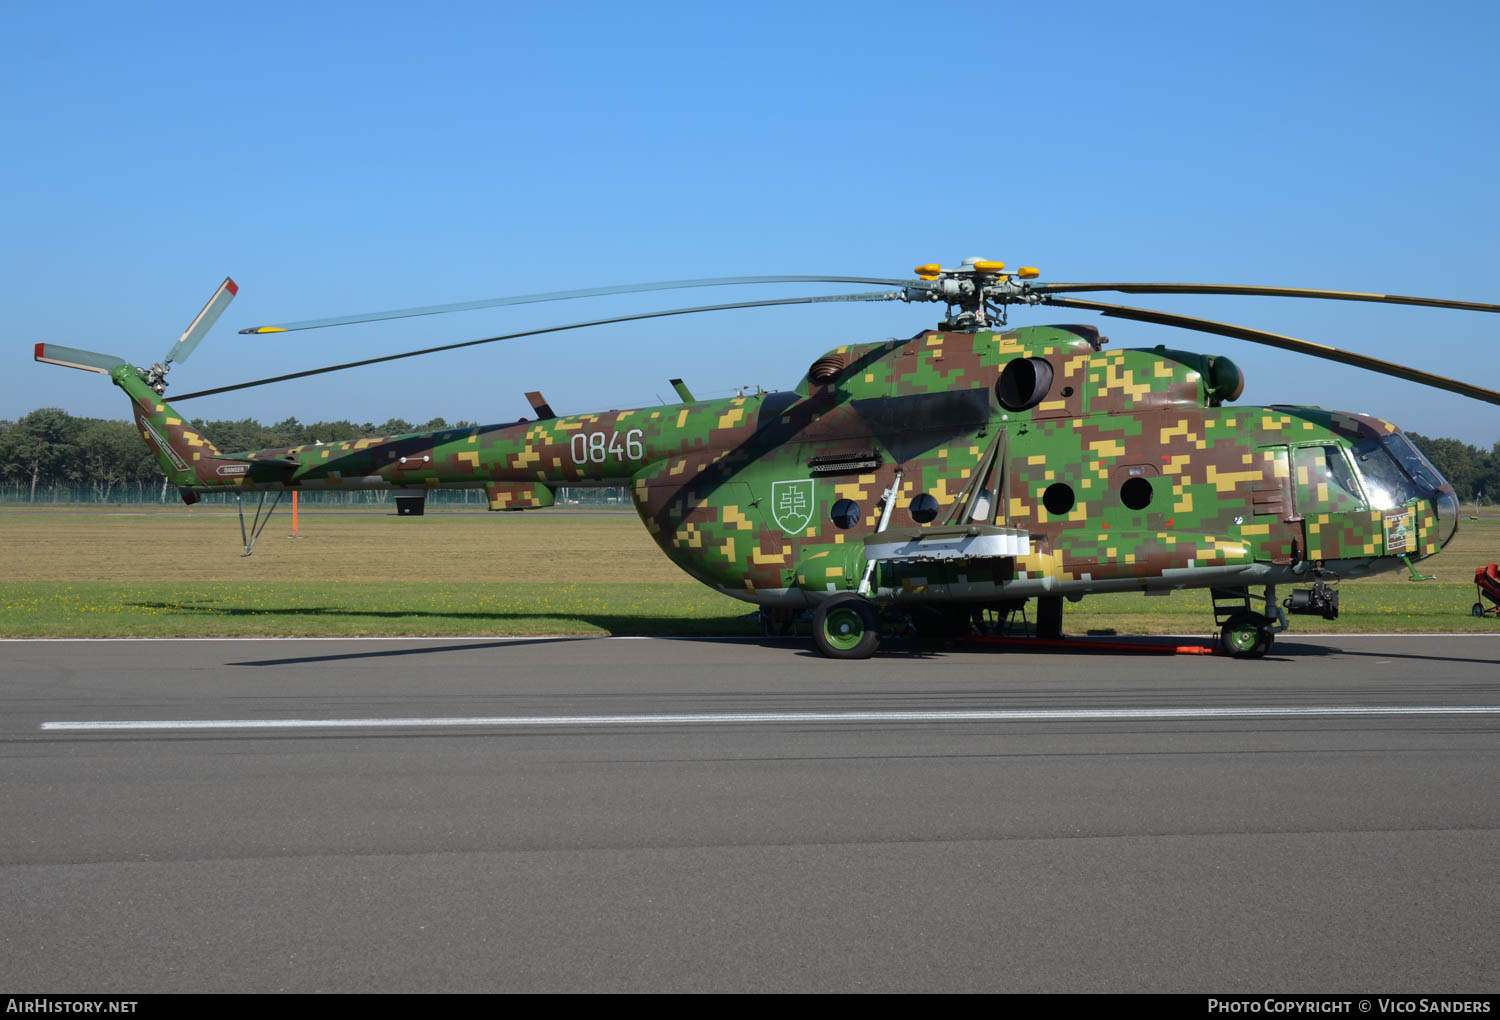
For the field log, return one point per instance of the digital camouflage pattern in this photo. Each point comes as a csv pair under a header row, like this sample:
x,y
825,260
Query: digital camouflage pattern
x,y
1119,470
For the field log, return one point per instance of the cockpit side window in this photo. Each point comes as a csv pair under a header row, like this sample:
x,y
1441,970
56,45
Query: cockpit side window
x,y
1325,482
1385,481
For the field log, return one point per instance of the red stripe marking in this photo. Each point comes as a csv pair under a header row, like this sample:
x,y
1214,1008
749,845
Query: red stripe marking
x,y
1091,645
231,286
39,349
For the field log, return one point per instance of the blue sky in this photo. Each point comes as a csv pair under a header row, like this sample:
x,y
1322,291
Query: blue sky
x,y
340,158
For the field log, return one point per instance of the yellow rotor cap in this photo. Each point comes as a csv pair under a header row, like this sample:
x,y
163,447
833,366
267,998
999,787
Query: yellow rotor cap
x,y
1028,272
985,266
928,272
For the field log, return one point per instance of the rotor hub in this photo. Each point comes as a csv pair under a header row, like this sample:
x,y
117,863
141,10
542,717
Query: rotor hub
x,y
976,292
156,377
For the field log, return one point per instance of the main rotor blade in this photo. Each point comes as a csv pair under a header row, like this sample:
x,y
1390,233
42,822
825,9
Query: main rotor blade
x,y
72,357
1286,343
568,295
817,299
199,327
1229,289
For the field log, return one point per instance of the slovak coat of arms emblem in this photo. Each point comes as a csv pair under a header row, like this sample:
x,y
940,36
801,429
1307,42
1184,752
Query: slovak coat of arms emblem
x,y
792,505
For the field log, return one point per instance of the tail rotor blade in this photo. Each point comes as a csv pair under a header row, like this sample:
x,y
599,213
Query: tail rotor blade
x,y
1286,343
72,357
200,326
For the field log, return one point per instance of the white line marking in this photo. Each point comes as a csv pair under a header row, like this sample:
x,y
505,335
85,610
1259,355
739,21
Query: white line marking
x,y
1082,642
333,637
720,718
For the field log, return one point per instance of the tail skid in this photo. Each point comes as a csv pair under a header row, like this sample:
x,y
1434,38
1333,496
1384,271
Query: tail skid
x,y
258,524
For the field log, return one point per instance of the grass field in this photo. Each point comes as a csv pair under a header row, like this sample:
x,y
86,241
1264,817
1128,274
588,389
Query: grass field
x,y
170,572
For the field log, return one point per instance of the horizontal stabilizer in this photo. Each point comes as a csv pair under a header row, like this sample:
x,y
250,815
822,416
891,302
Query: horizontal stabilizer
x,y
72,357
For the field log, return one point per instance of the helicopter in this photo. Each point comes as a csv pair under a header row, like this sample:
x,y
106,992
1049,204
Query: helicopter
x,y
974,466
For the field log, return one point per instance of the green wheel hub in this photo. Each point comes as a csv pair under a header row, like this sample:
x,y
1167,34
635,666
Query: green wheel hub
x,y
1243,639
1246,636
844,628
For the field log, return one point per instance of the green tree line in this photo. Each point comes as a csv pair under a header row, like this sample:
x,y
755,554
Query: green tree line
x,y
1473,473
50,450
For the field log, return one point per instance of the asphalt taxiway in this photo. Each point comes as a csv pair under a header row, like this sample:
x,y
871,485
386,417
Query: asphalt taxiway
x,y
531,814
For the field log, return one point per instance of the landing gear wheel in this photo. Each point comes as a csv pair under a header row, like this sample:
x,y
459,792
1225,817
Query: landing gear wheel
x,y
846,627
1246,636
1478,610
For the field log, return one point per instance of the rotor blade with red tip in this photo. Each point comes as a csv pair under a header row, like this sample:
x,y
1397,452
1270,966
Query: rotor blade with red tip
x,y
1235,289
1286,343
72,357
205,320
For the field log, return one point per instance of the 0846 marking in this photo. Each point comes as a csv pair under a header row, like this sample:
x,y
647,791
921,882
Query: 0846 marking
x,y
597,447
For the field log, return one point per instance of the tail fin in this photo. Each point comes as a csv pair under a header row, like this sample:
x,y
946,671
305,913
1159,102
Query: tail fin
x,y
186,457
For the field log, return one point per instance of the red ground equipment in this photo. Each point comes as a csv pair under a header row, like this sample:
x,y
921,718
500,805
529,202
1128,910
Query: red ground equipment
x,y
1487,580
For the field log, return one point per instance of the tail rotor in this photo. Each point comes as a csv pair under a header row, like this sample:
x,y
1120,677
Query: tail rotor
x,y
156,375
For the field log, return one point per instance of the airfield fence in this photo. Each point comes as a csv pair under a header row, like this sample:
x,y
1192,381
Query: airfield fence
x,y
139,494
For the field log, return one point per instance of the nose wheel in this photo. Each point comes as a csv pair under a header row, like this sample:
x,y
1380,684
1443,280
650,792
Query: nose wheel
x,y
1246,636
1244,633
846,627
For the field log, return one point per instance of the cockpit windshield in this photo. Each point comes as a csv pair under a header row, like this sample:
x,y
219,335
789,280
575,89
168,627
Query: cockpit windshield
x,y
1417,466
1386,482
1423,473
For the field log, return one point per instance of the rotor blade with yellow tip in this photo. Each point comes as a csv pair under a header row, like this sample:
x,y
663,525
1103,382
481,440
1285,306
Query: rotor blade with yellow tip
x,y
1286,343
567,295
1251,291
811,300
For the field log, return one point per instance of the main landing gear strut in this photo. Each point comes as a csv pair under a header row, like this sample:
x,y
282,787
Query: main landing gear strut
x,y
847,625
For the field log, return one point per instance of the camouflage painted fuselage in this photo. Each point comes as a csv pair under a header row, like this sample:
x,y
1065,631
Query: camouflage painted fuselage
x,y
1122,472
